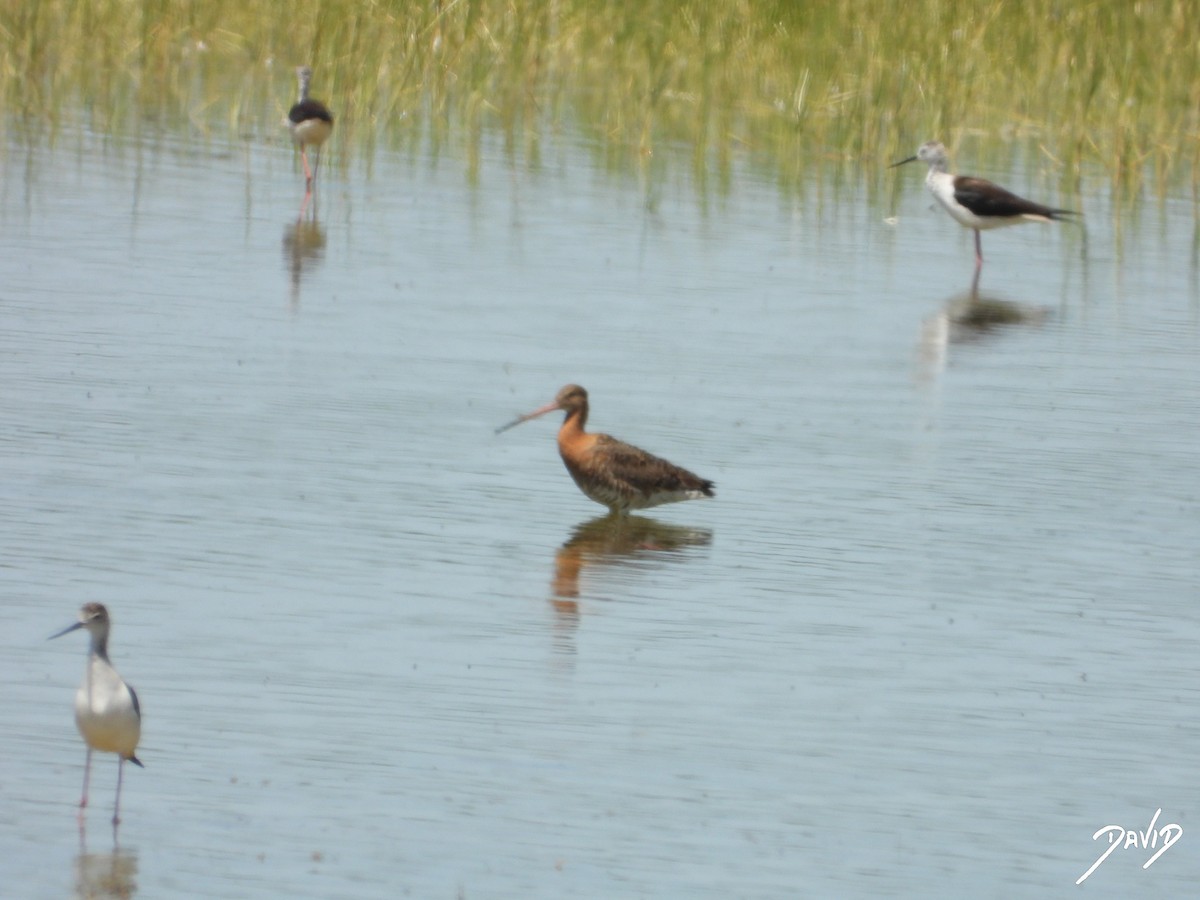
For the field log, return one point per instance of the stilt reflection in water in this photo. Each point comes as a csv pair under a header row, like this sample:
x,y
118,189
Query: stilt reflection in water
x,y
99,875
968,317
303,250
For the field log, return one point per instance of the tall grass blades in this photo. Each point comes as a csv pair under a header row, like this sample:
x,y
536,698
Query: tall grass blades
x,y
781,86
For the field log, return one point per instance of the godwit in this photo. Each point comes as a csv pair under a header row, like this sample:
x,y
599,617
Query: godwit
x,y
611,472
106,708
976,203
310,122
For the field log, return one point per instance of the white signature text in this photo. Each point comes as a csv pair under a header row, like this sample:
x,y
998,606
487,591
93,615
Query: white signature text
x,y
1147,840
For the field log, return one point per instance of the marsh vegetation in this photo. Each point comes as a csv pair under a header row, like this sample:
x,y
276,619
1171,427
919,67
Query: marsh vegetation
x,y
1078,88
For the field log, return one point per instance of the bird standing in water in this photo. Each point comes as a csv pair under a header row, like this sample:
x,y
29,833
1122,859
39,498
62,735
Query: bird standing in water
x,y
611,472
311,124
106,708
976,203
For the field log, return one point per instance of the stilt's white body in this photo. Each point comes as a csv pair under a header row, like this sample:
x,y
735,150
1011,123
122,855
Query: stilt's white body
x,y
942,186
311,132
105,711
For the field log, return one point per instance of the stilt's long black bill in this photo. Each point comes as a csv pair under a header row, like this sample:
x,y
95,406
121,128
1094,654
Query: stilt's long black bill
x,y
902,162
66,630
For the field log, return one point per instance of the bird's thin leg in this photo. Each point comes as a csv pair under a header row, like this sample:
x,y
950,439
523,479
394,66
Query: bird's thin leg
x,y
117,804
978,251
316,165
308,175
87,771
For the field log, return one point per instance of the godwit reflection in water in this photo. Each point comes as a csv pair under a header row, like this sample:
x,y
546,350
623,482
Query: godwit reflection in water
x,y
303,249
106,874
614,541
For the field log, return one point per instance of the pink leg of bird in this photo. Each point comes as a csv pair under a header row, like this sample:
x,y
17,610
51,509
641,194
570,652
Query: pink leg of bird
x,y
117,805
308,176
978,251
87,771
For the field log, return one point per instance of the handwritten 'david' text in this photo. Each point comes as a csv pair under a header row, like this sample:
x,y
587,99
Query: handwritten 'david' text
x,y
1119,837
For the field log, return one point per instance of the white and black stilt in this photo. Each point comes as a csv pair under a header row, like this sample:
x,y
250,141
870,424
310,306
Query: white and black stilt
x,y
976,203
311,124
107,712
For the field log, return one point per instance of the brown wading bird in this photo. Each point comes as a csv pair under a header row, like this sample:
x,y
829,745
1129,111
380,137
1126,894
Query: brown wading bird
x,y
311,124
609,471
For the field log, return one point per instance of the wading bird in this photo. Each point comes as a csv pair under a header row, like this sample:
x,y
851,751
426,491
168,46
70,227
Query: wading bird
x,y
106,708
976,203
311,124
611,472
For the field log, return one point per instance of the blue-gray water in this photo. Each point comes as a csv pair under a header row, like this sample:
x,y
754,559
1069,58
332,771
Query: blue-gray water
x,y
937,629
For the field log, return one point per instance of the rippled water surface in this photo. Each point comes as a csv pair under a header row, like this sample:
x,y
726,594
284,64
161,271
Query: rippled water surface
x,y
938,627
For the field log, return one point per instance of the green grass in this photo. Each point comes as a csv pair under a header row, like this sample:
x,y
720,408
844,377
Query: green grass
x,y
1078,86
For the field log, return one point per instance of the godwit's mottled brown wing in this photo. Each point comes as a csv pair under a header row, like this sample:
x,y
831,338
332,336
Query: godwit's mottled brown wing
x,y
984,198
639,476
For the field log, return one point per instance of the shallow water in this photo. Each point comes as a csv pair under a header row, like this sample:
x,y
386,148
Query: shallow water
x,y
936,630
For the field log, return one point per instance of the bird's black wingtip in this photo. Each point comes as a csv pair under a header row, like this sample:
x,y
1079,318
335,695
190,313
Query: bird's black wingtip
x,y
137,762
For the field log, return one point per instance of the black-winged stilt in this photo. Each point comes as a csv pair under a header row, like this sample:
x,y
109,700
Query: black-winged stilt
x,y
106,708
976,203
310,122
